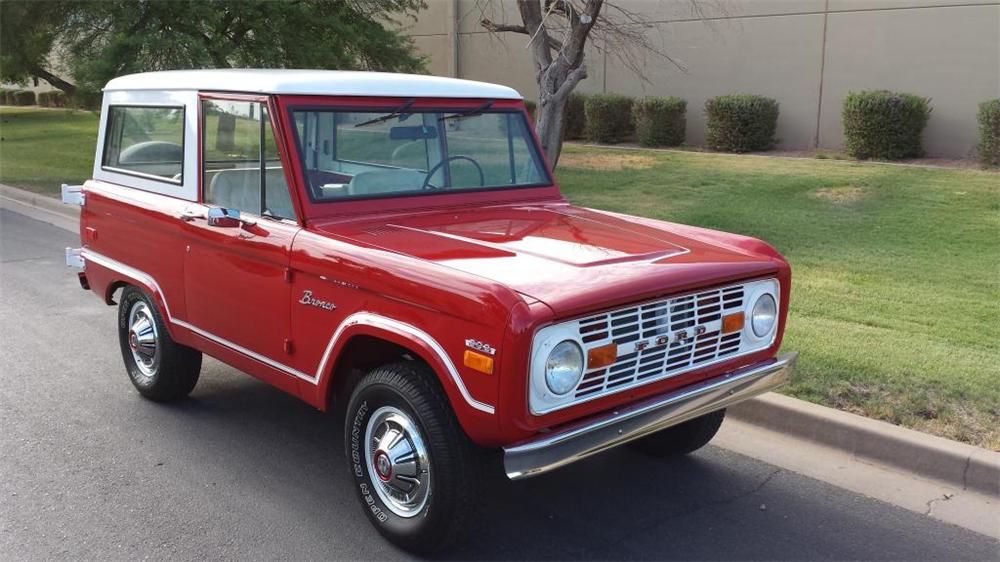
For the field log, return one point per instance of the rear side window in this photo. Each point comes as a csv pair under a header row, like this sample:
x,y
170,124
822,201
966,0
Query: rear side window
x,y
146,142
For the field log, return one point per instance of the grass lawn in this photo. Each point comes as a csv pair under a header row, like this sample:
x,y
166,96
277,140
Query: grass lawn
x,y
41,149
896,270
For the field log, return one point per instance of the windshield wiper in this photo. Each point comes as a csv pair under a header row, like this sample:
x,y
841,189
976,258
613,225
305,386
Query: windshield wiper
x,y
475,111
395,113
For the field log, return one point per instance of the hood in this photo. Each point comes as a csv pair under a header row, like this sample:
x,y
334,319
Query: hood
x,y
570,258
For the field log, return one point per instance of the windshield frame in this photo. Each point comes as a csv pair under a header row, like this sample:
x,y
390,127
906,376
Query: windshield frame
x,y
444,106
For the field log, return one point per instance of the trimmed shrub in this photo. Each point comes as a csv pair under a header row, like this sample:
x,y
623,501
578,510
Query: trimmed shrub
x,y
574,118
24,97
3,96
43,99
885,125
57,98
659,121
741,122
609,118
532,108
84,98
989,132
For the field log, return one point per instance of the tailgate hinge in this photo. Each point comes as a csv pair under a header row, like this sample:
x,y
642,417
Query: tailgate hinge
x,y
72,194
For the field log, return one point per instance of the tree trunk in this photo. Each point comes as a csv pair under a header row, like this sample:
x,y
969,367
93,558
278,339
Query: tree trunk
x,y
549,127
556,73
54,80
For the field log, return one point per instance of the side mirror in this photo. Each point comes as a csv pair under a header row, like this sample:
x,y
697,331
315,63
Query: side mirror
x,y
226,218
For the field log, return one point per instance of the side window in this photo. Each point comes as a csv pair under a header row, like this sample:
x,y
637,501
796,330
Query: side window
x,y
241,165
146,141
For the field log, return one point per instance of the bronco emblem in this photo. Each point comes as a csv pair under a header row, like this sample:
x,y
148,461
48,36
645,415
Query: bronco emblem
x,y
307,298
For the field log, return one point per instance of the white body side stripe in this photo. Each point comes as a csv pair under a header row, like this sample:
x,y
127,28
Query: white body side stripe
x,y
358,318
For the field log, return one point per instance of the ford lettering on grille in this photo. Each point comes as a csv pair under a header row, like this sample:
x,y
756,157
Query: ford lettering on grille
x,y
661,338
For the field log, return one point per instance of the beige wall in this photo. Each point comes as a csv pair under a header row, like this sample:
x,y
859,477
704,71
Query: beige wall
x,y
807,54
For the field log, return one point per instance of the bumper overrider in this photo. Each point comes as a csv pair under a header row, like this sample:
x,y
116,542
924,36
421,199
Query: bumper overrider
x,y
578,441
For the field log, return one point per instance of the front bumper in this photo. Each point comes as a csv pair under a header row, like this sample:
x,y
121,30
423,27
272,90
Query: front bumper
x,y
570,444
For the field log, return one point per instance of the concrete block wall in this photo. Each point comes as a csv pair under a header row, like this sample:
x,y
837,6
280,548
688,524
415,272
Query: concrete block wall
x,y
807,54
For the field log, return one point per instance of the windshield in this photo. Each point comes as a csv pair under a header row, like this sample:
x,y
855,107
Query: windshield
x,y
399,151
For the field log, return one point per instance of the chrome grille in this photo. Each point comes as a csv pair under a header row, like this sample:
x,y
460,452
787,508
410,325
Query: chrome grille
x,y
660,339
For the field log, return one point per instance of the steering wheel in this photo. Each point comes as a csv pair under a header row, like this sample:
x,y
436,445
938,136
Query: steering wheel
x,y
436,167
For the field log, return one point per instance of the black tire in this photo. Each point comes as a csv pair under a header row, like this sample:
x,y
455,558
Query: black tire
x,y
683,438
172,370
454,463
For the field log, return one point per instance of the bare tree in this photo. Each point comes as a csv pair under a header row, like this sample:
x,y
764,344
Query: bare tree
x,y
558,33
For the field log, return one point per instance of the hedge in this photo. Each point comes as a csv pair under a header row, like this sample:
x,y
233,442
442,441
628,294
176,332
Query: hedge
x,y
885,125
741,122
989,132
609,118
659,121
24,97
53,98
5,96
84,98
574,117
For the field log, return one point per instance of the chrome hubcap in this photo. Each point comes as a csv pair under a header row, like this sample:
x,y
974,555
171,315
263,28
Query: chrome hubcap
x,y
142,338
397,456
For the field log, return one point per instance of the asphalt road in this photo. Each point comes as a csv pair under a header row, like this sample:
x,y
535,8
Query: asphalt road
x,y
89,470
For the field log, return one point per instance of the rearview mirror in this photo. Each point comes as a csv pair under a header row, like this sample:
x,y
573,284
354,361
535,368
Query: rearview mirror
x,y
414,132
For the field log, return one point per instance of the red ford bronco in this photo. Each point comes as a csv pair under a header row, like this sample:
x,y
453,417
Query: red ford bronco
x,y
396,248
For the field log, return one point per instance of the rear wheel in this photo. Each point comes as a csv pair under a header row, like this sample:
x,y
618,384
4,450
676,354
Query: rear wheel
x,y
159,368
683,438
416,472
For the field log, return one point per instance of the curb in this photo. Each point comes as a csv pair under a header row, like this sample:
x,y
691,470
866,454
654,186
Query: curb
x,y
50,203
959,464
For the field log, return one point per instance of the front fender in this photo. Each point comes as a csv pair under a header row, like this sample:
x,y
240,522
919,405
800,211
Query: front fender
x,y
476,417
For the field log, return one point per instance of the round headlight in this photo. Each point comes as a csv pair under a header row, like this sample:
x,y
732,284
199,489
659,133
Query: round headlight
x,y
564,367
763,315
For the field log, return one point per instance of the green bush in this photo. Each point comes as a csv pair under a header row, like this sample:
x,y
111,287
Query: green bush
x,y
24,97
574,118
84,98
659,121
741,122
52,98
3,96
532,108
989,132
885,125
609,118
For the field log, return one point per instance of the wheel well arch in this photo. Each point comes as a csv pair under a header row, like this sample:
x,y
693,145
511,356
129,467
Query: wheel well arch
x,y
360,353
113,287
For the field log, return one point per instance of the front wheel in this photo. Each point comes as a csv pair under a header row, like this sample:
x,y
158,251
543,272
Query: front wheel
x,y
683,438
159,368
415,471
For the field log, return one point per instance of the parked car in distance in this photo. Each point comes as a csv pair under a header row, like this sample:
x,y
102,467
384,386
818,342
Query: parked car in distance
x,y
395,248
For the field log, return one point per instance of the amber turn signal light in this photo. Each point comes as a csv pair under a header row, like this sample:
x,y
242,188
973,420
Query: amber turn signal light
x,y
602,356
732,323
478,361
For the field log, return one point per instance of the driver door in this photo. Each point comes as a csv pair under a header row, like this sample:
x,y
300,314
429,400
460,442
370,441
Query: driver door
x,y
239,236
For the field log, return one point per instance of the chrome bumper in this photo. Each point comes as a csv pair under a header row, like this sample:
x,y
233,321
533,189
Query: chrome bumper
x,y
553,450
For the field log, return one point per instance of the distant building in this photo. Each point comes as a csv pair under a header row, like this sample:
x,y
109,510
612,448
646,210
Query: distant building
x,y
807,54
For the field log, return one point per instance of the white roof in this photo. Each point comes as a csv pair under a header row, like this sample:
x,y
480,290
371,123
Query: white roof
x,y
312,82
